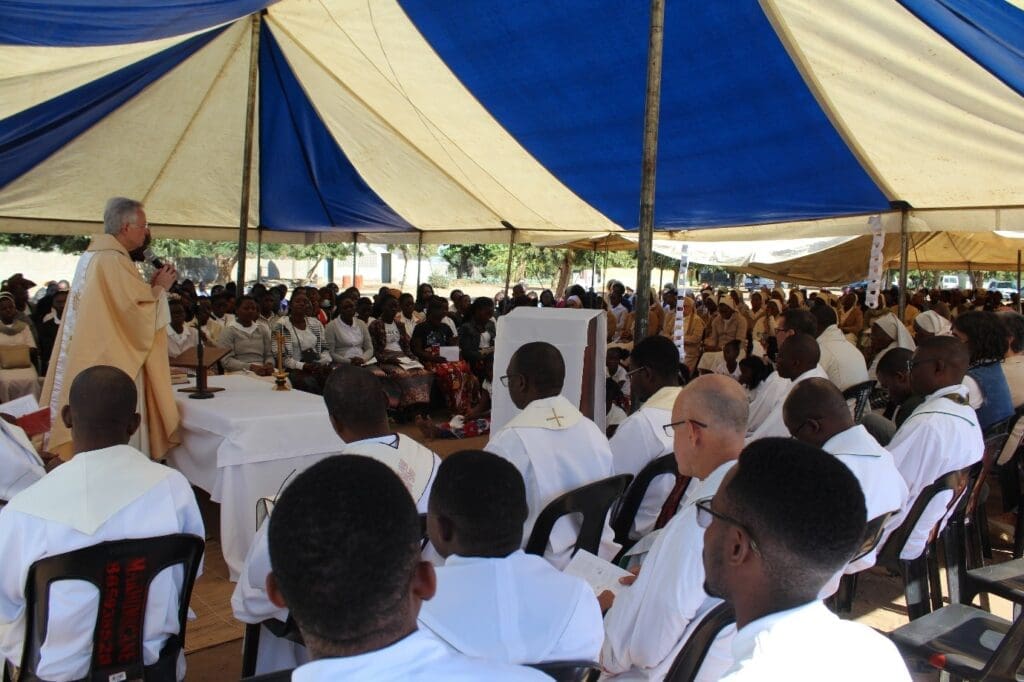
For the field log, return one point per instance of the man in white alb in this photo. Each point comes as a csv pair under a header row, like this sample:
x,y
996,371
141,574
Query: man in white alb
x,y
108,491
641,438
553,445
494,601
840,359
796,360
650,621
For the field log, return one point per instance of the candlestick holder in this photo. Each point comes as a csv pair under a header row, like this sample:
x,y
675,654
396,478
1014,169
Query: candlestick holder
x,y
281,381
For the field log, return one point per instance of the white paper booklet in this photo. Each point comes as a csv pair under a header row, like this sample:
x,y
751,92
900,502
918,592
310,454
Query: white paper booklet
x,y
19,407
600,574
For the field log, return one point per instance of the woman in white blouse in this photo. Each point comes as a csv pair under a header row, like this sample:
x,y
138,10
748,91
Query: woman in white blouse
x,y
348,338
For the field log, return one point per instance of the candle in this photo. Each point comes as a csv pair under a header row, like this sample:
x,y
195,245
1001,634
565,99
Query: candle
x,y
280,343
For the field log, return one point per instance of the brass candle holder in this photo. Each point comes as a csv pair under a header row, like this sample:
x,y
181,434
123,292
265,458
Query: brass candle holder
x,y
280,376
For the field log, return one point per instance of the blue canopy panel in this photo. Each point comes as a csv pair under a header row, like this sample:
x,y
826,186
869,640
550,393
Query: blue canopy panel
x,y
306,182
991,32
76,23
742,140
31,136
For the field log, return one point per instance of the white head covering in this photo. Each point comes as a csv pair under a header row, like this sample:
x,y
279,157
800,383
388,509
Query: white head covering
x,y
933,323
891,325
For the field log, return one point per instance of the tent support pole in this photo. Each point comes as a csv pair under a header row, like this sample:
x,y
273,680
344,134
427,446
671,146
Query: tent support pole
x,y
1018,280
250,119
904,248
652,107
355,255
259,253
593,273
508,268
419,259
604,270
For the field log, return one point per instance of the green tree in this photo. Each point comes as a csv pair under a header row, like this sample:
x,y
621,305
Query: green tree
x,y
46,242
464,257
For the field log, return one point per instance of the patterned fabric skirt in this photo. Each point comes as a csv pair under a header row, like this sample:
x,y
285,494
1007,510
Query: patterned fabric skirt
x,y
404,387
457,384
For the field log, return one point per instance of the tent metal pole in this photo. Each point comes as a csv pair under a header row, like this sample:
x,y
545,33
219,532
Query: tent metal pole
x,y
652,107
259,252
250,122
604,270
904,248
419,259
593,273
355,255
508,268
1018,280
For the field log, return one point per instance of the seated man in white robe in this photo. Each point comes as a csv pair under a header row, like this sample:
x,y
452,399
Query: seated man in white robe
x,y
841,360
345,551
494,601
641,438
357,407
20,464
108,491
817,414
940,436
650,621
796,360
553,445
771,569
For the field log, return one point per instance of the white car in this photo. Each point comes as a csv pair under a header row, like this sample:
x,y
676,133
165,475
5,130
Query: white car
x,y
1002,286
950,282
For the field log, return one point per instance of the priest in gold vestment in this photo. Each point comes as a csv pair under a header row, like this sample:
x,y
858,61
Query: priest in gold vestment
x,y
114,317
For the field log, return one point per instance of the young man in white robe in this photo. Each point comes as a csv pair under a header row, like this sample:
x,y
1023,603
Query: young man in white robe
x,y
553,445
651,620
108,491
357,407
940,436
771,570
345,550
20,464
494,601
841,360
797,360
816,413
641,439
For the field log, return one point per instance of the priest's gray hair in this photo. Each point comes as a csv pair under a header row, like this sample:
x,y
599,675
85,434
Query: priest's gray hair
x,y
119,211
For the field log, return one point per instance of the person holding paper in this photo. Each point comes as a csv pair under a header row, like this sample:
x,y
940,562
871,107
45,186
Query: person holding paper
x,y
452,377
553,445
649,622
114,317
248,342
641,438
108,491
20,464
407,383
348,338
493,601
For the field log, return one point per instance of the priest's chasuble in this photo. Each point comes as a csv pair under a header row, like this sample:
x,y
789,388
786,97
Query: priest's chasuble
x,y
113,317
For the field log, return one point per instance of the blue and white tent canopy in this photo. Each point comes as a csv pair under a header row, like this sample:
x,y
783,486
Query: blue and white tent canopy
x,y
450,121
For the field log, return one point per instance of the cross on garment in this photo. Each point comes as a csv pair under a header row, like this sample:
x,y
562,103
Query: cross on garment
x,y
557,418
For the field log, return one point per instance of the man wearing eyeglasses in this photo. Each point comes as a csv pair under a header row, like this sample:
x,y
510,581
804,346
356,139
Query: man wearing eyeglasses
x,y
114,317
783,521
940,436
648,623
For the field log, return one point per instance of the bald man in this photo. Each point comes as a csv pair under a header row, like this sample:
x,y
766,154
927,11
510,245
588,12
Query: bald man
x,y
797,360
553,445
816,413
108,491
940,436
649,622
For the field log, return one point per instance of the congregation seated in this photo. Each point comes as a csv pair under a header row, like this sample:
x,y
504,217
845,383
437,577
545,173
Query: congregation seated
x,y
554,447
986,340
477,336
344,544
641,438
650,621
181,336
765,390
348,337
18,351
894,376
107,491
408,385
840,359
493,601
930,323
304,353
797,361
887,332
247,342
1013,362
770,569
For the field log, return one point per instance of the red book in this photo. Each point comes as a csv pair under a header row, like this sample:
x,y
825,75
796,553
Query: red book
x,y
35,423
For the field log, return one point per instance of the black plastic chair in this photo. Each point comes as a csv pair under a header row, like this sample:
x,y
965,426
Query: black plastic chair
x,y
861,393
567,671
842,601
251,640
950,639
279,676
915,572
625,512
122,571
691,656
592,501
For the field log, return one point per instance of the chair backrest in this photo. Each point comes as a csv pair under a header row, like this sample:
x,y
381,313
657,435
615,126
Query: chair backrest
x,y
567,671
872,535
625,513
592,501
995,436
277,676
1008,656
692,655
861,393
1014,440
957,481
122,571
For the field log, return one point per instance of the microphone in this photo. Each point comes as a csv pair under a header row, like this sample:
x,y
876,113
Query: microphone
x,y
152,258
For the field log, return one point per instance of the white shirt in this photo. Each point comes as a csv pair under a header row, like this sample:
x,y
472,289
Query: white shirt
x,y
111,494
639,441
417,657
763,399
179,343
20,464
652,619
810,644
554,460
393,337
620,311
938,437
723,369
516,609
844,364
773,425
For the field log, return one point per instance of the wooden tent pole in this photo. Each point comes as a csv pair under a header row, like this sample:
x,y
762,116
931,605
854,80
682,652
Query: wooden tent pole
x,y
904,248
508,268
419,259
250,122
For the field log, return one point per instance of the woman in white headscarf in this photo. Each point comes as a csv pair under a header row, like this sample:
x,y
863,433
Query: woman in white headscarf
x,y
887,332
930,323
